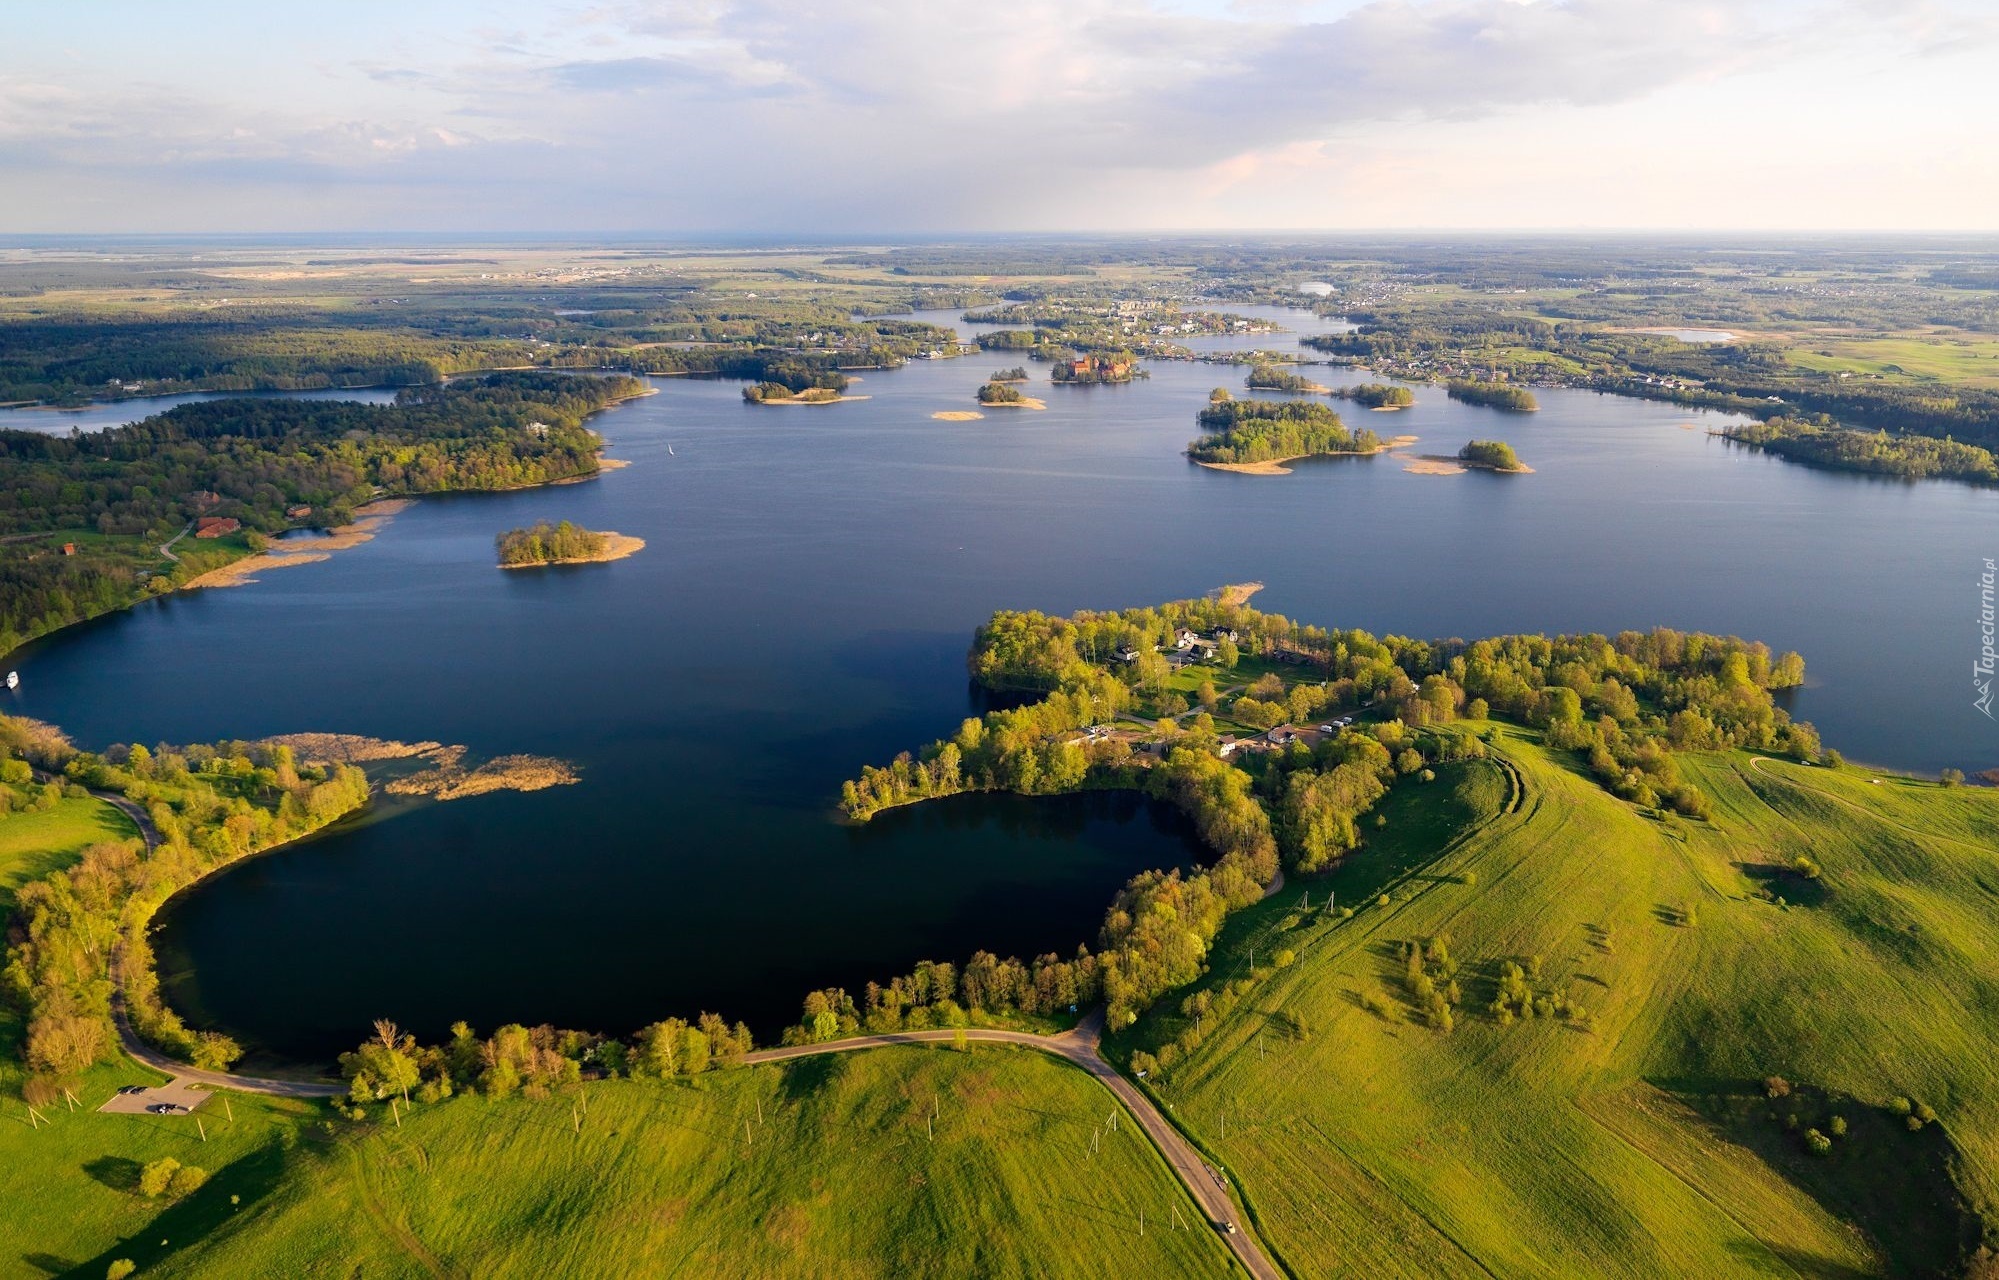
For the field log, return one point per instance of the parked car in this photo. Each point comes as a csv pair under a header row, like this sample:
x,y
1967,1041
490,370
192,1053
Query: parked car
x,y
166,1108
131,1089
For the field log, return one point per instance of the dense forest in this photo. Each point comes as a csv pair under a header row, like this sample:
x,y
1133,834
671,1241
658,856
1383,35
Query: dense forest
x,y
1493,395
116,496
79,930
1823,442
1249,431
544,543
1622,704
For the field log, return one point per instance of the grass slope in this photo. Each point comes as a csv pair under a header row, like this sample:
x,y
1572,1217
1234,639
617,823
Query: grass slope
x,y
1373,1144
837,1180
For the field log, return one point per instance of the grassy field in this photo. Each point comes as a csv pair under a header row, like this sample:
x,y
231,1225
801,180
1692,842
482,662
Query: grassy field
x,y
1965,360
1636,1141
819,1168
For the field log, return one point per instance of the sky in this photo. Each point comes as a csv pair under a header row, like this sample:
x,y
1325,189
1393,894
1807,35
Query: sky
x,y
938,116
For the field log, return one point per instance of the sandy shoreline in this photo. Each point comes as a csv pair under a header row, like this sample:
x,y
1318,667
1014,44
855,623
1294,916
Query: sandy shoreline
x,y
283,553
447,778
957,415
796,400
1437,464
616,547
1277,467
1025,402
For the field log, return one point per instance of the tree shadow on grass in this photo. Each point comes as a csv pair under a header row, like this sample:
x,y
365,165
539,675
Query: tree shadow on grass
x,y
115,1172
801,1078
233,1189
49,1263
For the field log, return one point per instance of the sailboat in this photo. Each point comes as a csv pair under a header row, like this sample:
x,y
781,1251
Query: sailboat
x,y
669,451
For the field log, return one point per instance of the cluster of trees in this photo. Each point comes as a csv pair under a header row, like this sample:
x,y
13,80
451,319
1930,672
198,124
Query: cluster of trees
x,y
211,805
999,393
534,1061
1009,340
774,377
1377,395
1269,377
1016,374
1515,996
1823,442
1493,395
1244,431
939,995
118,494
542,542
1496,454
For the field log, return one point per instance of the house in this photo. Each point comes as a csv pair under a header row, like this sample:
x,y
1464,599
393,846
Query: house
x,y
216,526
299,512
69,548
1185,640
204,499
1125,653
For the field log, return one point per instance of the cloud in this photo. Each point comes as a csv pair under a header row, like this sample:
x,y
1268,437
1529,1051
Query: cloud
x,y
921,113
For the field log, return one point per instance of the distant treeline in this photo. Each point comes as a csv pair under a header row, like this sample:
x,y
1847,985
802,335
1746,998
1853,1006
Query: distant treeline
x,y
1823,442
116,495
1244,431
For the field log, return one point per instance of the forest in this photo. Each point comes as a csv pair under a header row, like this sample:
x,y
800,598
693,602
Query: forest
x,y
79,930
114,497
1249,431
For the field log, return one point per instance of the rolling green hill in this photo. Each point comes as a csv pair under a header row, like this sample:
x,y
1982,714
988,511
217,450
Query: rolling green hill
x,y
1633,1137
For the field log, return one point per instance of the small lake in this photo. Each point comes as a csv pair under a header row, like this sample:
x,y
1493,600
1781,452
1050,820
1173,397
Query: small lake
x,y
810,584
118,413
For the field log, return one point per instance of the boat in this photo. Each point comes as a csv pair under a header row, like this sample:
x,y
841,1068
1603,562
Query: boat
x,y
13,679
669,451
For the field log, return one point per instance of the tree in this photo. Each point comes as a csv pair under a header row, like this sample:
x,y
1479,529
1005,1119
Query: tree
x,y
157,1176
120,1268
1952,777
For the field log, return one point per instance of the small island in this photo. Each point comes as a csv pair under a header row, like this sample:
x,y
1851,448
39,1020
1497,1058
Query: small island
x,y
1259,436
1493,395
999,395
565,543
1269,377
1492,455
1377,395
778,393
1016,374
1083,370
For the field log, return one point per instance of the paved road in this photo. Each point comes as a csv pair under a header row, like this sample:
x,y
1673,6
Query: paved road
x,y
1079,1046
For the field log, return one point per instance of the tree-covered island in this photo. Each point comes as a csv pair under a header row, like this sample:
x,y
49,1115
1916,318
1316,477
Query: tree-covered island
x,y
562,543
1493,395
1259,436
1376,395
1491,455
1270,377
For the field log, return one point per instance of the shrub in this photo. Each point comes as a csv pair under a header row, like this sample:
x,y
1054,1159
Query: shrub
x,y
120,1268
1820,1144
1951,777
1776,1087
157,1176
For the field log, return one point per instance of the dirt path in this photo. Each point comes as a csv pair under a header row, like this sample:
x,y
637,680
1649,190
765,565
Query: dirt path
x,y
1079,1046
166,548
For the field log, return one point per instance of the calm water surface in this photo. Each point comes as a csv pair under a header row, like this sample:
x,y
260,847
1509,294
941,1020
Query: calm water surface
x,y
803,606
118,413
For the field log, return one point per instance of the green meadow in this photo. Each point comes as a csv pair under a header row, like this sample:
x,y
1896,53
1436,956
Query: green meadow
x,y
1634,1137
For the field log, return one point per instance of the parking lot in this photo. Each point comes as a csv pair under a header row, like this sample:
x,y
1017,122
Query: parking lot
x,y
183,1092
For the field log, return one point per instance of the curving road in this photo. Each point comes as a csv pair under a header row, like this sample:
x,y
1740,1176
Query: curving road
x,y
1079,1046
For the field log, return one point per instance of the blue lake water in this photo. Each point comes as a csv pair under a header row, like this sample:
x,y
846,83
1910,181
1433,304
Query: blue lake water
x,y
811,580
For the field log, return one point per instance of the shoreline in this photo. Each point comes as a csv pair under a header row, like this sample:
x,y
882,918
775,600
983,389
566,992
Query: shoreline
x,y
1025,402
1277,467
617,546
284,553
790,400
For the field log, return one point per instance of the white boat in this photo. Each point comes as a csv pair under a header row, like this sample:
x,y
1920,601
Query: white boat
x,y
13,679
669,451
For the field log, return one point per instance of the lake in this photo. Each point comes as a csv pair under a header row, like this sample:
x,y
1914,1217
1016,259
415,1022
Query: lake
x,y
118,413
811,580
